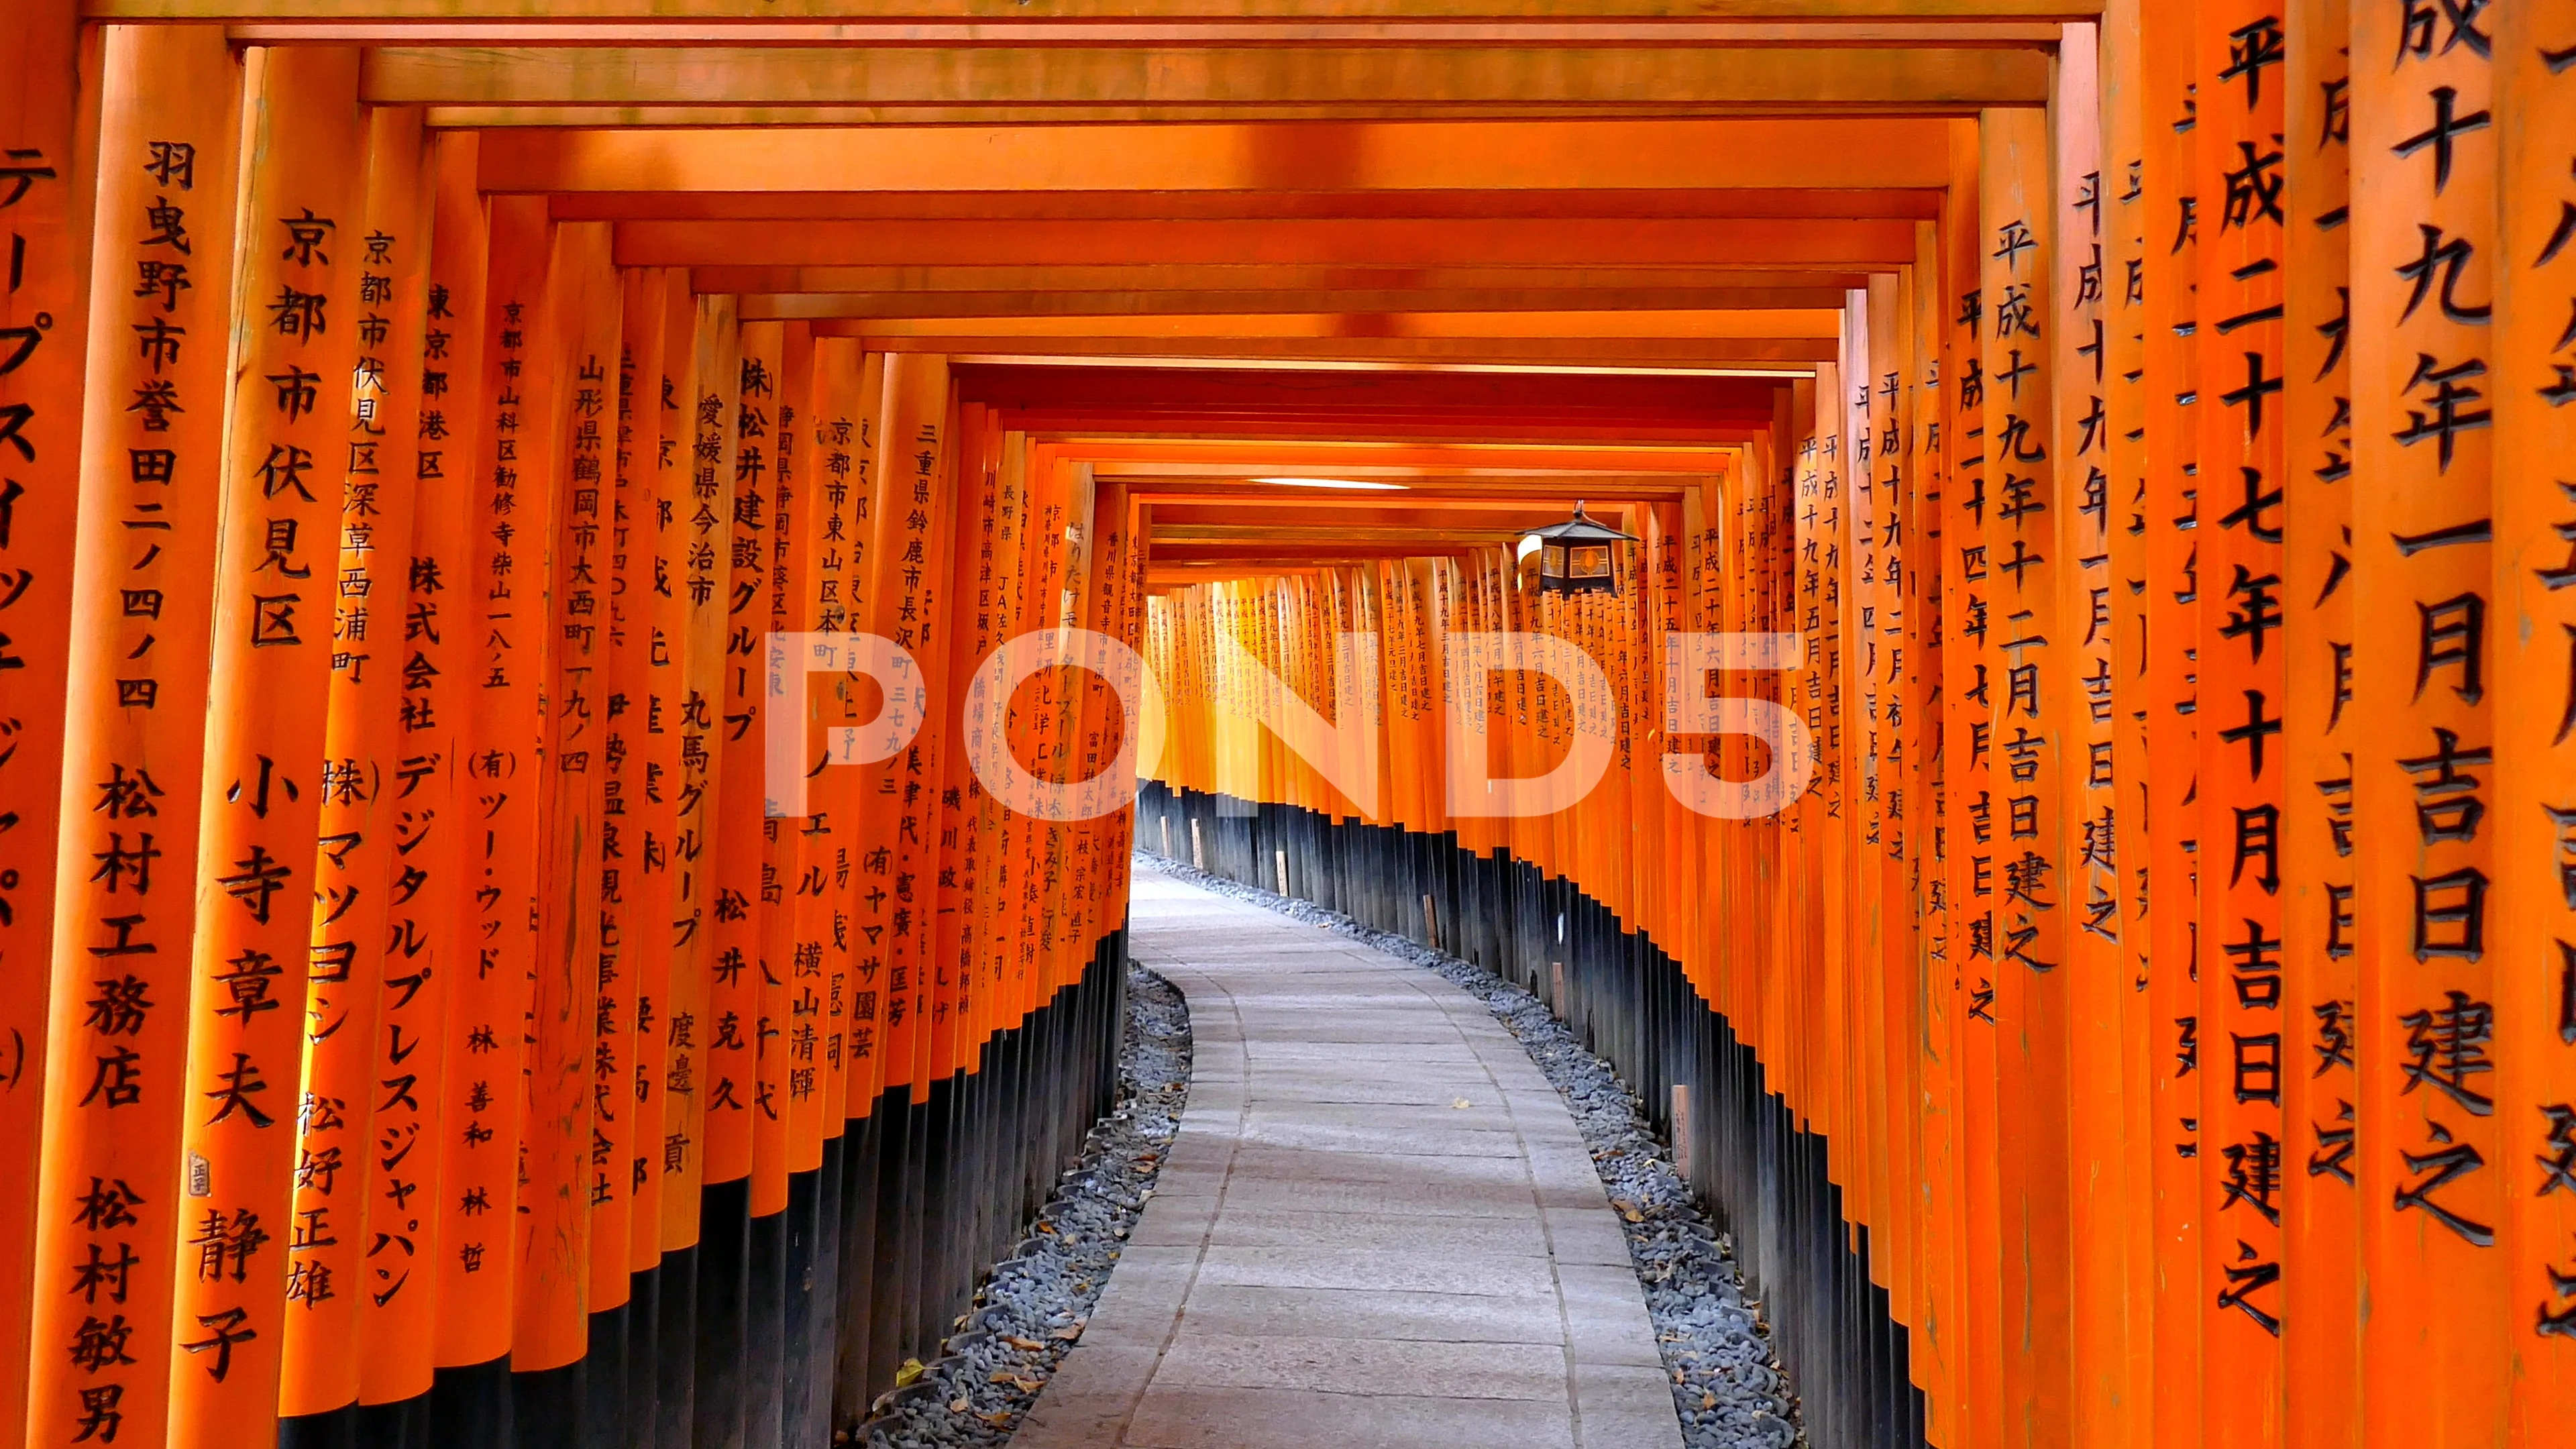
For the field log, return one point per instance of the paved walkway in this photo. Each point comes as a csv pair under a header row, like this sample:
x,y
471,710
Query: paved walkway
x,y
1378,1228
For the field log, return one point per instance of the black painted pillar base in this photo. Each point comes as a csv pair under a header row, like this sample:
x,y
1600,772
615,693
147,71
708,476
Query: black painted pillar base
x,y
774,1332
469,1406
724,1288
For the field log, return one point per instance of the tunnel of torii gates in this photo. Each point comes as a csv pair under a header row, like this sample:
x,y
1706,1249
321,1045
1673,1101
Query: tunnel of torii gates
x,y
426,1023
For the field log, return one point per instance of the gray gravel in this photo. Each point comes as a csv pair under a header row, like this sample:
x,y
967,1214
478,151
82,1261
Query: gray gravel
x,y
1031,1311
1728,1387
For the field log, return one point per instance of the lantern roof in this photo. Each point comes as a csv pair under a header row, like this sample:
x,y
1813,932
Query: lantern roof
x,y
1582,528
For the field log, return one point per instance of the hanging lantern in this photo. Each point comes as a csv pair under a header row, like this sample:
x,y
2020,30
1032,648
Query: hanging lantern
x,y
1579,556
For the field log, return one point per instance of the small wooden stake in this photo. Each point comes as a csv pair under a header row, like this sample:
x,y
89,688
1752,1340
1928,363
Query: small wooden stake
x,y
1682,1154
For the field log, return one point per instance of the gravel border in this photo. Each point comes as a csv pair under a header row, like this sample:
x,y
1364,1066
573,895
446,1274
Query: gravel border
x,y
1728,1388
1033,1308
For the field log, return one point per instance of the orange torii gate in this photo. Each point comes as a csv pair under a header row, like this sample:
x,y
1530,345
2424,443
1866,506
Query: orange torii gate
x,y
2152,1021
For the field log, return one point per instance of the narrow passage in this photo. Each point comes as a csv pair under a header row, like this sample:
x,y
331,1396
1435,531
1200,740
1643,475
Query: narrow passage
x,y
1378,1227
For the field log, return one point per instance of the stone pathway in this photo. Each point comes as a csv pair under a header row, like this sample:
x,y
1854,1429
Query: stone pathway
x,y
1377,1229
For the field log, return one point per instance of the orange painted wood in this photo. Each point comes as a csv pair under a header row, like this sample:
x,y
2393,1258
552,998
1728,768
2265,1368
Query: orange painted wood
x,y
1758,241
2100,1284
360,1133
1813,991
703,12
871,499
2433,1154
774,1124
504,614
108,1185
706,373
793,1062
2178,1056
956,479
2025,506
984,557
824,866
1854,961
440,840
1061,874
633,968
576,431
2321,1274
1078,844
1911,637
1317,78
994,972
270,677
2127,116
1893,1097
1502,157
846,386
1031,880
1115,605
1968,670
877,1035
916,526
1939,1001
2246,1024
2535,278
653,610
736,908
42,309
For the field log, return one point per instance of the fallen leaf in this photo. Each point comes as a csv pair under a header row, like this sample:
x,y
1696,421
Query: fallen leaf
x,y
910,1371
1068,1334
958,1406
1024,1345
